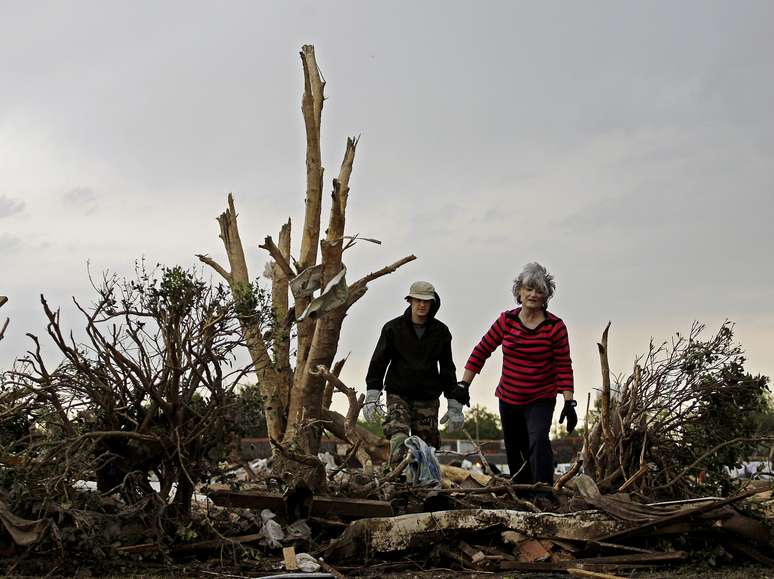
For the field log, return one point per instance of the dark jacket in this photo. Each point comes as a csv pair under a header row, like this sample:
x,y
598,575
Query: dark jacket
x,y
417,368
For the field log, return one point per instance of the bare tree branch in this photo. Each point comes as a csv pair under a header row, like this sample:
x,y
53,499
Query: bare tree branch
x,y
216,266
277,256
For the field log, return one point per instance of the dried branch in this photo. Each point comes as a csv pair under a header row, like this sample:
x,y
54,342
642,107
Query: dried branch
x,y
329,387
355,404
710,452
359,288
278,256
4,328
605,418
568,475
216,266
3,300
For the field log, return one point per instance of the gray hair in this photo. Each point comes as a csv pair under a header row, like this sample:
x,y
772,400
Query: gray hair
x,y
535,276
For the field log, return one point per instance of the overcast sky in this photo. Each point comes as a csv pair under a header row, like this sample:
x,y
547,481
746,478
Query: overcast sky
x,y
629,147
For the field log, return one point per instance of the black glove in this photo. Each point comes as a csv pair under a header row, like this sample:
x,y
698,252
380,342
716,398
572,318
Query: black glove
x,y
568,412
459,392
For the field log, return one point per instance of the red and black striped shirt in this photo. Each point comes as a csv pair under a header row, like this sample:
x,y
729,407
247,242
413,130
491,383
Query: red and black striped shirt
x,y
536,363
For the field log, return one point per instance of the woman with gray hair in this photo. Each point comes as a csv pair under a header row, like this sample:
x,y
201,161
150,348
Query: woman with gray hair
x,y
536,367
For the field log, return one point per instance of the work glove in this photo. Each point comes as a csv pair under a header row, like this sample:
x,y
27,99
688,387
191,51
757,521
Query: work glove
x,y
372,409
568,412
454,416
460,392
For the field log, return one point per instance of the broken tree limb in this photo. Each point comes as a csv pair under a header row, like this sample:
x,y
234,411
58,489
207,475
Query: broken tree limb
x,y
241,288
504,488
363,282
281,331
711,452
330,569
355,404
328,395
376,446
634,478
396,534
584,573
279,257
311,108
207,260
680,516
3,300
204,545
605,417
568,475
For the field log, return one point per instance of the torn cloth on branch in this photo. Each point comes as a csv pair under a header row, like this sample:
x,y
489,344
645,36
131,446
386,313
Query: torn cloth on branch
x,y
333,296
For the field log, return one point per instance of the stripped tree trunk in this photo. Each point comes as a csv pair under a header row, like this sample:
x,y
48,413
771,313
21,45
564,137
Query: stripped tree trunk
x,y
311,107
296,403
308,393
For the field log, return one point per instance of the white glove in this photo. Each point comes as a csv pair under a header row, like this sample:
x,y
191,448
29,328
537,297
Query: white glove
x,y
372,409
454,416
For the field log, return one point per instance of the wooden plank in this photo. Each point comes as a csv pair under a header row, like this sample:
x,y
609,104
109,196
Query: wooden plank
x,y
352,508
289,555
248,500
321,505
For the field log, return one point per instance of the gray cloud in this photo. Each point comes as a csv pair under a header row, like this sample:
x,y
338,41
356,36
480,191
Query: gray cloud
x,y
627,146
9,206
82,198
9,244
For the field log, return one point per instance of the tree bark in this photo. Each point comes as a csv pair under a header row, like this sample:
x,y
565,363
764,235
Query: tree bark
x,y
350,424
328,395
279,300
605,417
311,107
238,278
375,445
308,392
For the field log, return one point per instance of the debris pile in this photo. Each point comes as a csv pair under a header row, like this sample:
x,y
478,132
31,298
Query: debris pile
x,y
412,517
122,456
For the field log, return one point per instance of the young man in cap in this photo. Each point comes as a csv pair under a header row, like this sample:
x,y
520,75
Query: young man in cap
x,y
415,351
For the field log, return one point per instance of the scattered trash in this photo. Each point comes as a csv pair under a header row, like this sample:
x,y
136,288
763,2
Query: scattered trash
x,y
307,563
271,530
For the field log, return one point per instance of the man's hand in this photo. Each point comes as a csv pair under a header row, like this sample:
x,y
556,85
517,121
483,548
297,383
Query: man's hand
x,y
568,412
454,416
460,392
372,409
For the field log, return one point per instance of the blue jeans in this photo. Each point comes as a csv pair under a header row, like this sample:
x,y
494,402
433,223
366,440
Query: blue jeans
x,y
526,431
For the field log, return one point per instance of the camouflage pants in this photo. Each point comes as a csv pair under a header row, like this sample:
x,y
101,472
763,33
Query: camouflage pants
x,y
404,417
